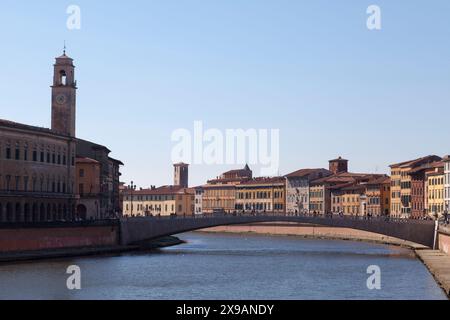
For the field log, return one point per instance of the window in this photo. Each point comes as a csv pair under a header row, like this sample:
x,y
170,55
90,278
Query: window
x,y
25,183
81,173
63,78
34,155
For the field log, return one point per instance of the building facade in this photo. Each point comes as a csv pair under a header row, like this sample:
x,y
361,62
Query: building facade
x,y
198,208
261,195
163,201
354,200
337,194
220,193
297,189
447,183
378,193
109,176
401,185
435,191
88,188
38,165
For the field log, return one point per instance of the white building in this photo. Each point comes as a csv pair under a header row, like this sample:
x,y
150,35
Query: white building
x,y
198,207
297,188
447,183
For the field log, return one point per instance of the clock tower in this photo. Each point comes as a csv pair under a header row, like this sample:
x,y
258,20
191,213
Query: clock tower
x,y
64,96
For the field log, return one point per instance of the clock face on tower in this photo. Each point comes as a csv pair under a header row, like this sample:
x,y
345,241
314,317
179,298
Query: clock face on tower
x,y
61,99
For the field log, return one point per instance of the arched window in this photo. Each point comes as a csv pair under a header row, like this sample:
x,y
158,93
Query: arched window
x,y
63,78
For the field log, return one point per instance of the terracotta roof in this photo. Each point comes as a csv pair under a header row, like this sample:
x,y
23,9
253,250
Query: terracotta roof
x,y
355,187
414,162
181,164
426,166
116,161
345,177
342,185
21,126
165,190
306,172
86,160
437,169
243,171
338,159
225,181
263,181
380,180
94,145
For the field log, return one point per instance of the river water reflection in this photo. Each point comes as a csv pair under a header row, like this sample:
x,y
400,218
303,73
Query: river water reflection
x,y
219,266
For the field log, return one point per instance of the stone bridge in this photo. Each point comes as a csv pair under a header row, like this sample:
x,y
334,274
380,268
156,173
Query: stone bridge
x,y
137,230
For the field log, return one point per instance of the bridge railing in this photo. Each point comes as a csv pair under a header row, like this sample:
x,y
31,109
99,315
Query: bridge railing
x,y
285,215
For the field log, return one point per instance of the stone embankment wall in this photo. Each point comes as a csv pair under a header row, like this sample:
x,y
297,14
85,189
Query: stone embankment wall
x,y
23,238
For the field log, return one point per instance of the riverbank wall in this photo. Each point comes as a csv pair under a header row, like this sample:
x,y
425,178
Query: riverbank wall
x,y
444,241
63,240
20,238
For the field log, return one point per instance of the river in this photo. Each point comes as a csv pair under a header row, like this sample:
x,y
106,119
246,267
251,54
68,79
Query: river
x,y
221,266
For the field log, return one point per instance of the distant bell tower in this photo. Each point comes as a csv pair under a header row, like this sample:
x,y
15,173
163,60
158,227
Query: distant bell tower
x,y
339,165
181,175
64,96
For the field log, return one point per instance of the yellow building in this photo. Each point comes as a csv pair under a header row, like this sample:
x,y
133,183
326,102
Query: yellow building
x,y
219,195
163,201
354,200
261,195
435,191
317,200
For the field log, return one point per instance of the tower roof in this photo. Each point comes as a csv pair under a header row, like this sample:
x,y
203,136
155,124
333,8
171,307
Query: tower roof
x,y
64,59
340,159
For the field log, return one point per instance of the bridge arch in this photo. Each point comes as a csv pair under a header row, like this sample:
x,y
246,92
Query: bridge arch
x,y
135,230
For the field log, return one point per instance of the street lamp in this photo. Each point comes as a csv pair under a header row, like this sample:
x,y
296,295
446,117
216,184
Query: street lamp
x,y
132,188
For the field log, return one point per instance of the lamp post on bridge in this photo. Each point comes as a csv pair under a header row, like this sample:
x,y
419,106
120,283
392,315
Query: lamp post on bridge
x,y
132,188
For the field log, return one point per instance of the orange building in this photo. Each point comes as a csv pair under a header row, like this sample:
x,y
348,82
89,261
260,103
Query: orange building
x,y
378,193
87,188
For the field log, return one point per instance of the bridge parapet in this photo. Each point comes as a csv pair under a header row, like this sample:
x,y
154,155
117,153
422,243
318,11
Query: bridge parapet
x,y
136,230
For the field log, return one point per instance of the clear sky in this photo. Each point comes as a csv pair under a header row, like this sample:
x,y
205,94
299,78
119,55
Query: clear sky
x,y
309,68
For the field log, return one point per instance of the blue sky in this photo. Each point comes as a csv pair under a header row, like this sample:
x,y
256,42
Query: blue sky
x,y
309,68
